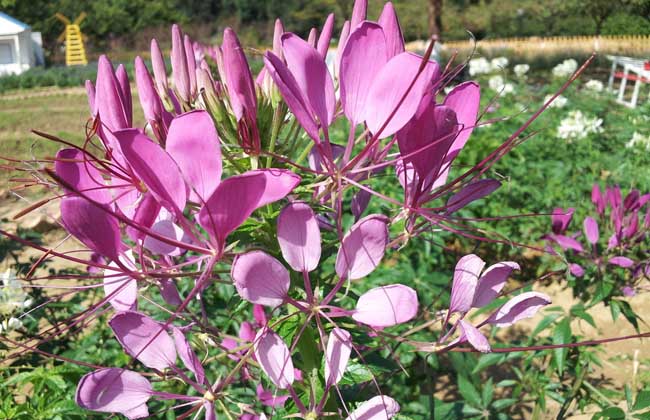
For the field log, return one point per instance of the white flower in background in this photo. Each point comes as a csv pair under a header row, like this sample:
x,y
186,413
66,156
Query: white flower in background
x,y
448,89
594,85
12,295
565,68
521,70
10,325
499,63
497,84
479,66
638,140
559,102
578,126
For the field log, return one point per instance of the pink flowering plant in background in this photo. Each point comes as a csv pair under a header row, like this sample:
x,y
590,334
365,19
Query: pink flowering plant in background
x,y
239,247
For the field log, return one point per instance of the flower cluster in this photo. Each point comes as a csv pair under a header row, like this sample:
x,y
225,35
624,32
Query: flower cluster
x,y
237,180
497,84
639,141
559,102
521,70
565,68
481,65
577,125
594,85
610,239
13,299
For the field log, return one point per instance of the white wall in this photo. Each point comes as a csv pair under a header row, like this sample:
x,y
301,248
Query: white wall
x,y
21,51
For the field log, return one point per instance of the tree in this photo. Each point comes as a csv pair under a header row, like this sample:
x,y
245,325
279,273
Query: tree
x,y
435,18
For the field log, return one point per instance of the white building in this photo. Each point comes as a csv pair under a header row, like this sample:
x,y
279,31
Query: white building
x,y
20,49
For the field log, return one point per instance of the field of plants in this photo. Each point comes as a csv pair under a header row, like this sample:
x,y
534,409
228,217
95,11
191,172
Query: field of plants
x,y
381,237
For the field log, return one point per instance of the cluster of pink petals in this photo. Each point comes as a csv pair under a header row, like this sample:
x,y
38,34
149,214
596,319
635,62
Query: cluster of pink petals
x,y
628,220
156,199
474,287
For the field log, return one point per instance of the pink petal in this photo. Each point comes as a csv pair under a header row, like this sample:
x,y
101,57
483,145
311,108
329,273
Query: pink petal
x,y
392,29
145,214
325,36
560,219
339,347
159,69
108,97
463,288
127,297
299,236
380,407
389,87
169,292
236,198
180,72
567,242
187,355
75,168
239,80
474,336
363,247
292,94
278,30
621,262
386,306
591,230
155,168
343,39
598,199
428,137
576,270
268,398
149,98
359,13
362,59
113,390
168,229
191,64
136,333
90,92
519,307
312,76
260,278
92,225
311,39
465,100
125,88
470,193
274,358
192,141
492,282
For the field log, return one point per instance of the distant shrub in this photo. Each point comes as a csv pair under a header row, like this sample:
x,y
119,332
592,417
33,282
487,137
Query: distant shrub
x,y
625,24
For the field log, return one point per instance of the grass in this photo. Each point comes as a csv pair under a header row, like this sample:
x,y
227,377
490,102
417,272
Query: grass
x,y
62,115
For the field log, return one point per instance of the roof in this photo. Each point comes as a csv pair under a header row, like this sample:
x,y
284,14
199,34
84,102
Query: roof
x,y
10,25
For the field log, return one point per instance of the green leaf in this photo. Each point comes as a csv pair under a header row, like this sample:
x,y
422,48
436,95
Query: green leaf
x,y
642,400
613,413
582,314
561,335
629,314
615,309
544,323
487,360
356,373
469,392
487,392
504,403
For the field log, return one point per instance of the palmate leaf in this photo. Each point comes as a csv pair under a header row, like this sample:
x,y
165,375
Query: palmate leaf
x,y
469,392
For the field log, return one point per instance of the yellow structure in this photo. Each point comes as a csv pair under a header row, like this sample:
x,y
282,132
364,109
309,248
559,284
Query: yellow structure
x,y
75,53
